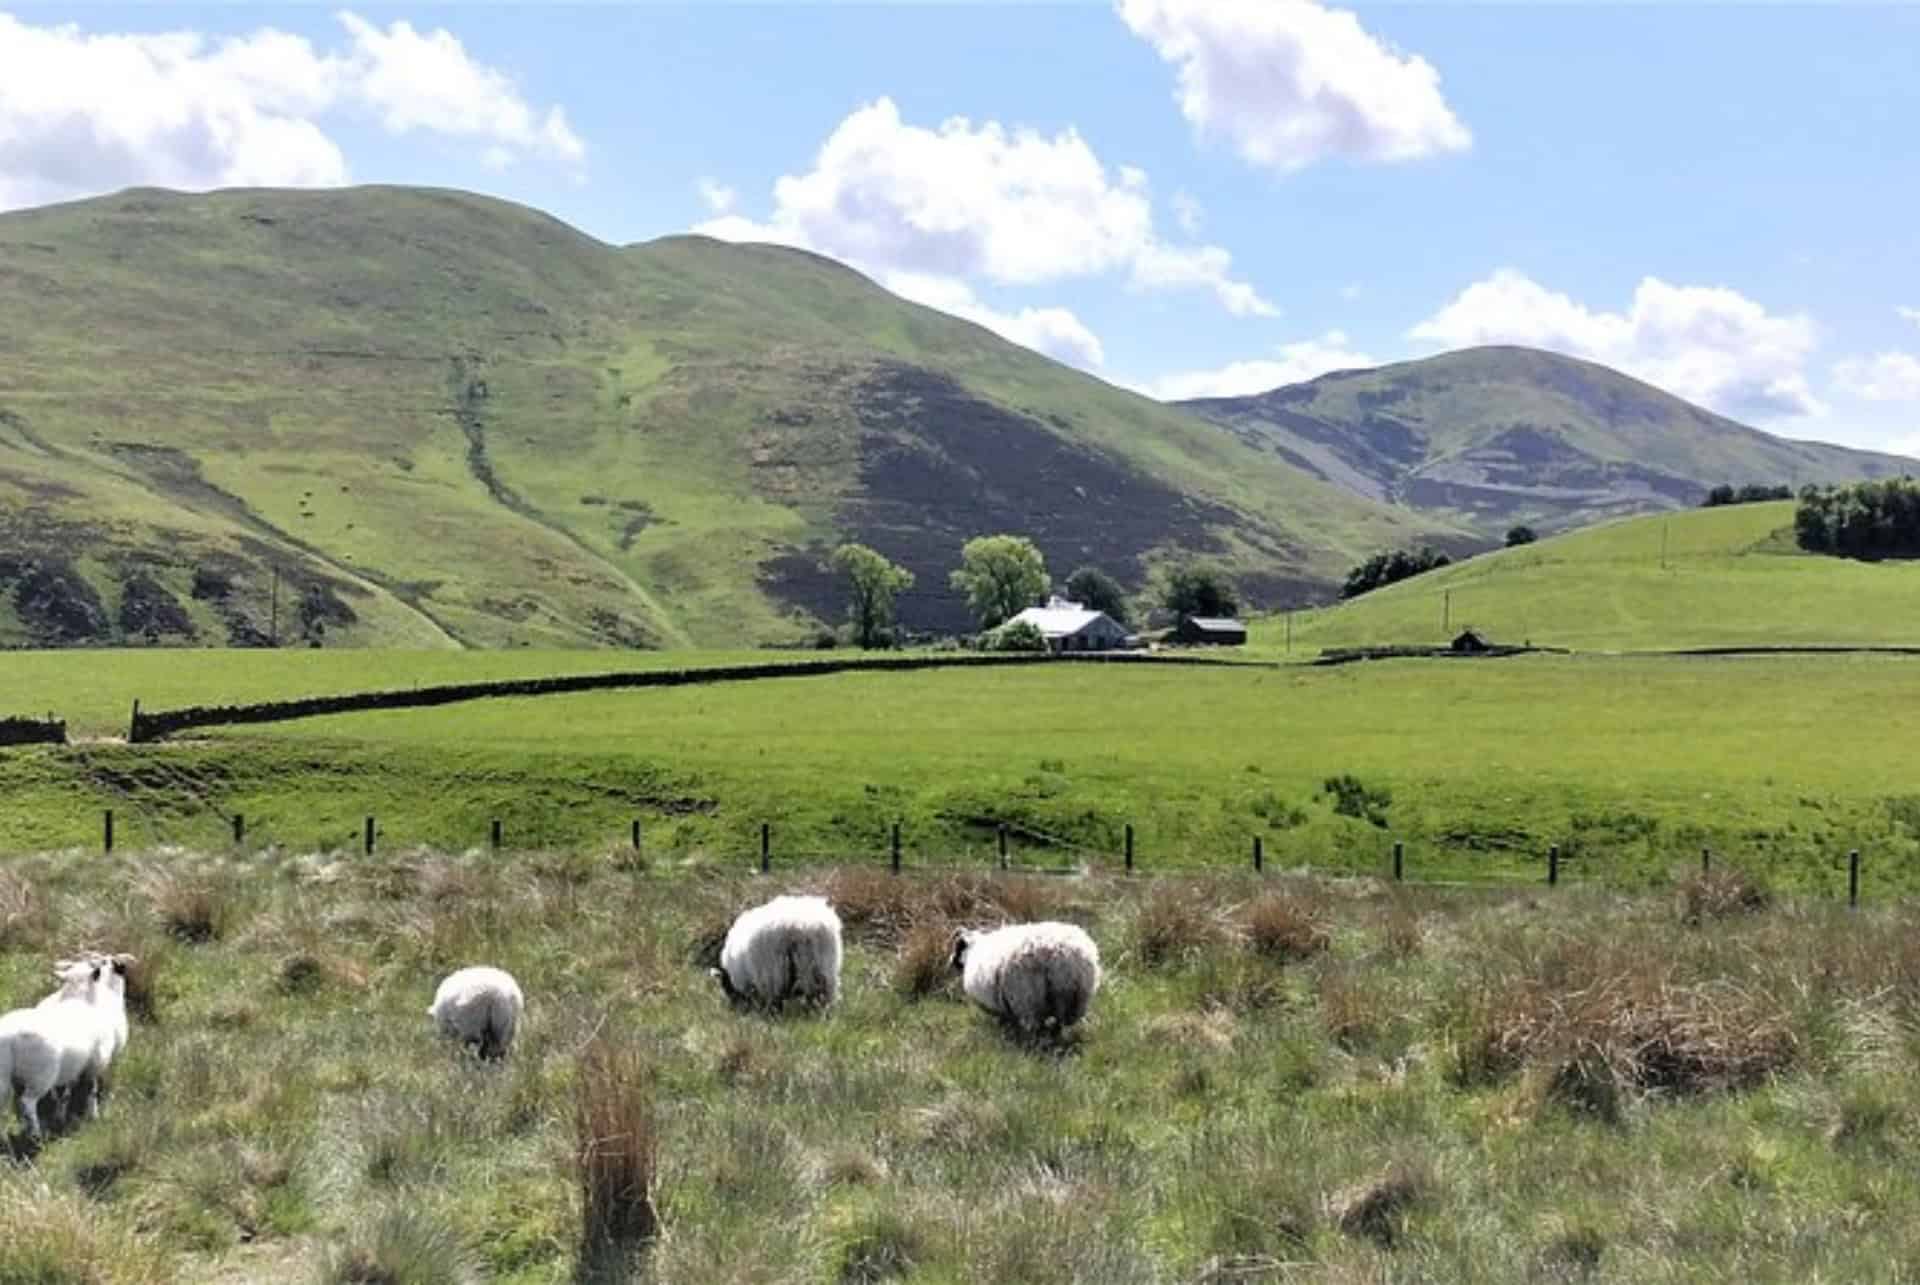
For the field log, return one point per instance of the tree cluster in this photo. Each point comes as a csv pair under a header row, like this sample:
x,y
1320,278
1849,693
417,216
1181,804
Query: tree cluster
x,y
1751,493
1866,520
1385,568
1199,591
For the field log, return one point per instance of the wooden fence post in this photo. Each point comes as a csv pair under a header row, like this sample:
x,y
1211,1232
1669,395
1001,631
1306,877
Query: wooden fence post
x,y
106,833
636,834
494,837
239,829
1003,845
368,844
1399,860
1259,856
1129,847
1853,879
766,847
1553,864
896,847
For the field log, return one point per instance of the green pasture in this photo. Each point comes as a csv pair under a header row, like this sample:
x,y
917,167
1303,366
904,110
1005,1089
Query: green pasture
x,y
1706,577
1629,764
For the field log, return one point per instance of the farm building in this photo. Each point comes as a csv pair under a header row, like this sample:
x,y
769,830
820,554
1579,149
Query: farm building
x,y
1218,630
1068,626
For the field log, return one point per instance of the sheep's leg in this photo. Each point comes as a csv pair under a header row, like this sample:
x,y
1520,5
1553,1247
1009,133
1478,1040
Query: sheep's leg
x,y
27,1104
92,1090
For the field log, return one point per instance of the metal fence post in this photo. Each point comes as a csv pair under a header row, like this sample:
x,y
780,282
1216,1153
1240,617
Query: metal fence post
x,y
1553,864
1399,860
766,847
1129,847
106,833
896,847
239,829
494,836
368,838
1259,856
1853,879
1003,846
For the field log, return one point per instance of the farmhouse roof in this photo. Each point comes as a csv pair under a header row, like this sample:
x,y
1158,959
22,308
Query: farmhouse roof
x,y
1216,622
1061,618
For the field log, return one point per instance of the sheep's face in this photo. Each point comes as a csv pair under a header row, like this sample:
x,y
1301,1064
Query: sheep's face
x,y
726,983
958,959
75,973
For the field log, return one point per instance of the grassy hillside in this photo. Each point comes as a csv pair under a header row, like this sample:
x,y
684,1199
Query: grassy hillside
x,y
1388,1086
1494,436
448,420
1729,577
1630,764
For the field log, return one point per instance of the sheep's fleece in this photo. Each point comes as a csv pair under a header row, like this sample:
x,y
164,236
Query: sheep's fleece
x,y
479,1005
787,948
1033,975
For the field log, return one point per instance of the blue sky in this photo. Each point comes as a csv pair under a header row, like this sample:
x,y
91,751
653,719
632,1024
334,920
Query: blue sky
x,y
1187,198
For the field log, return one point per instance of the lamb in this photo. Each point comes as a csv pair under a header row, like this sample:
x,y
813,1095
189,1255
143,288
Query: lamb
x,y
479,1006
66,1041
788,948
1030,976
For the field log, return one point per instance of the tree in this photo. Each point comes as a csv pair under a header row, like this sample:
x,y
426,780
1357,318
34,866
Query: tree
x,y
872,583
1002,575
1095,589
1520,535
1199,591
1021,636
1385,568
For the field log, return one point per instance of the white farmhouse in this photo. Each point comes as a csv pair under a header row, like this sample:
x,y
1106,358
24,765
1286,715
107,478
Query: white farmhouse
x,y
1068,626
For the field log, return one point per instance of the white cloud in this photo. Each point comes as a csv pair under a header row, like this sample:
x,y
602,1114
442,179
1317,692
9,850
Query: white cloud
x,y
1351,291
1055,332
1289,82
82,113
719,197
1187,213
1293,364
1884,377
981,202
1911,314
1708,344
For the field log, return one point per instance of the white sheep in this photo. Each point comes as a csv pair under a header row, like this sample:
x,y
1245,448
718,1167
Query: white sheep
x,y
1031,976
788,948
479,1005
68,1040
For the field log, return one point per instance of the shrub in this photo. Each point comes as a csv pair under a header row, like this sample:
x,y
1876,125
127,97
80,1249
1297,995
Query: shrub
x,y
1021,635
616,1154
1519,535
1284,926
1386,568
1353,797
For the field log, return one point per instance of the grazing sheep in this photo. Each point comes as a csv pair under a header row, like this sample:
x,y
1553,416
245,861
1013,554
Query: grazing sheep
x,y
67,1041
788,948
479,1005
1031,976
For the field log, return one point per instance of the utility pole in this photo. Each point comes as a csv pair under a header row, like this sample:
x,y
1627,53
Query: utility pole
x,y
1446,610
1289,633
273,629
1663,545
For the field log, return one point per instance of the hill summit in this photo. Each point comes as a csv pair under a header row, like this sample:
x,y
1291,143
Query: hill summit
x,y
405,416
1489,437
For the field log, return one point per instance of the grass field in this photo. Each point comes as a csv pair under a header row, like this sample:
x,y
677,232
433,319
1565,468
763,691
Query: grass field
x,y
1730,577
1282,1081
1630,764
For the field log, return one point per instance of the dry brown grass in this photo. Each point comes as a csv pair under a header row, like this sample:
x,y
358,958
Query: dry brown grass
x,y
1616,1024
1175,923
191,906
1718,894
1284,926
22,917
876,905
616,1157
922,966
1377,1210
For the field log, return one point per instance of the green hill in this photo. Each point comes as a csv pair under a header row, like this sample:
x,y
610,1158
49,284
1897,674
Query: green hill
x,y
1705,577
401,416
1493,436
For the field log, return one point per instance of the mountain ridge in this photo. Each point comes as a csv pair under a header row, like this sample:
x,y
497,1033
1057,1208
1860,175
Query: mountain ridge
x,y
1502,434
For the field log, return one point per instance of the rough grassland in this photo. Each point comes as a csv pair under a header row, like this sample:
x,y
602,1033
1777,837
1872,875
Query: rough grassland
x,y
1629,764
1732,577
1278,1081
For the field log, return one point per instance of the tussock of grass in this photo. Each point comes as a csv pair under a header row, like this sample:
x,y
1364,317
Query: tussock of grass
x,y
616,1156
1287,927
1175,925
193,907
51,1238
404,1247
1376,1210
923,965
1716,894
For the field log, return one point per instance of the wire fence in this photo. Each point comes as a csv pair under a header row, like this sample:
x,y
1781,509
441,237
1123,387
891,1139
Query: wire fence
x,y
1014,846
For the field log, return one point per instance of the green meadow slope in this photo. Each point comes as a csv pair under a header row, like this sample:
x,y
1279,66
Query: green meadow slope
x,y
441,419
1497,435
1704,577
